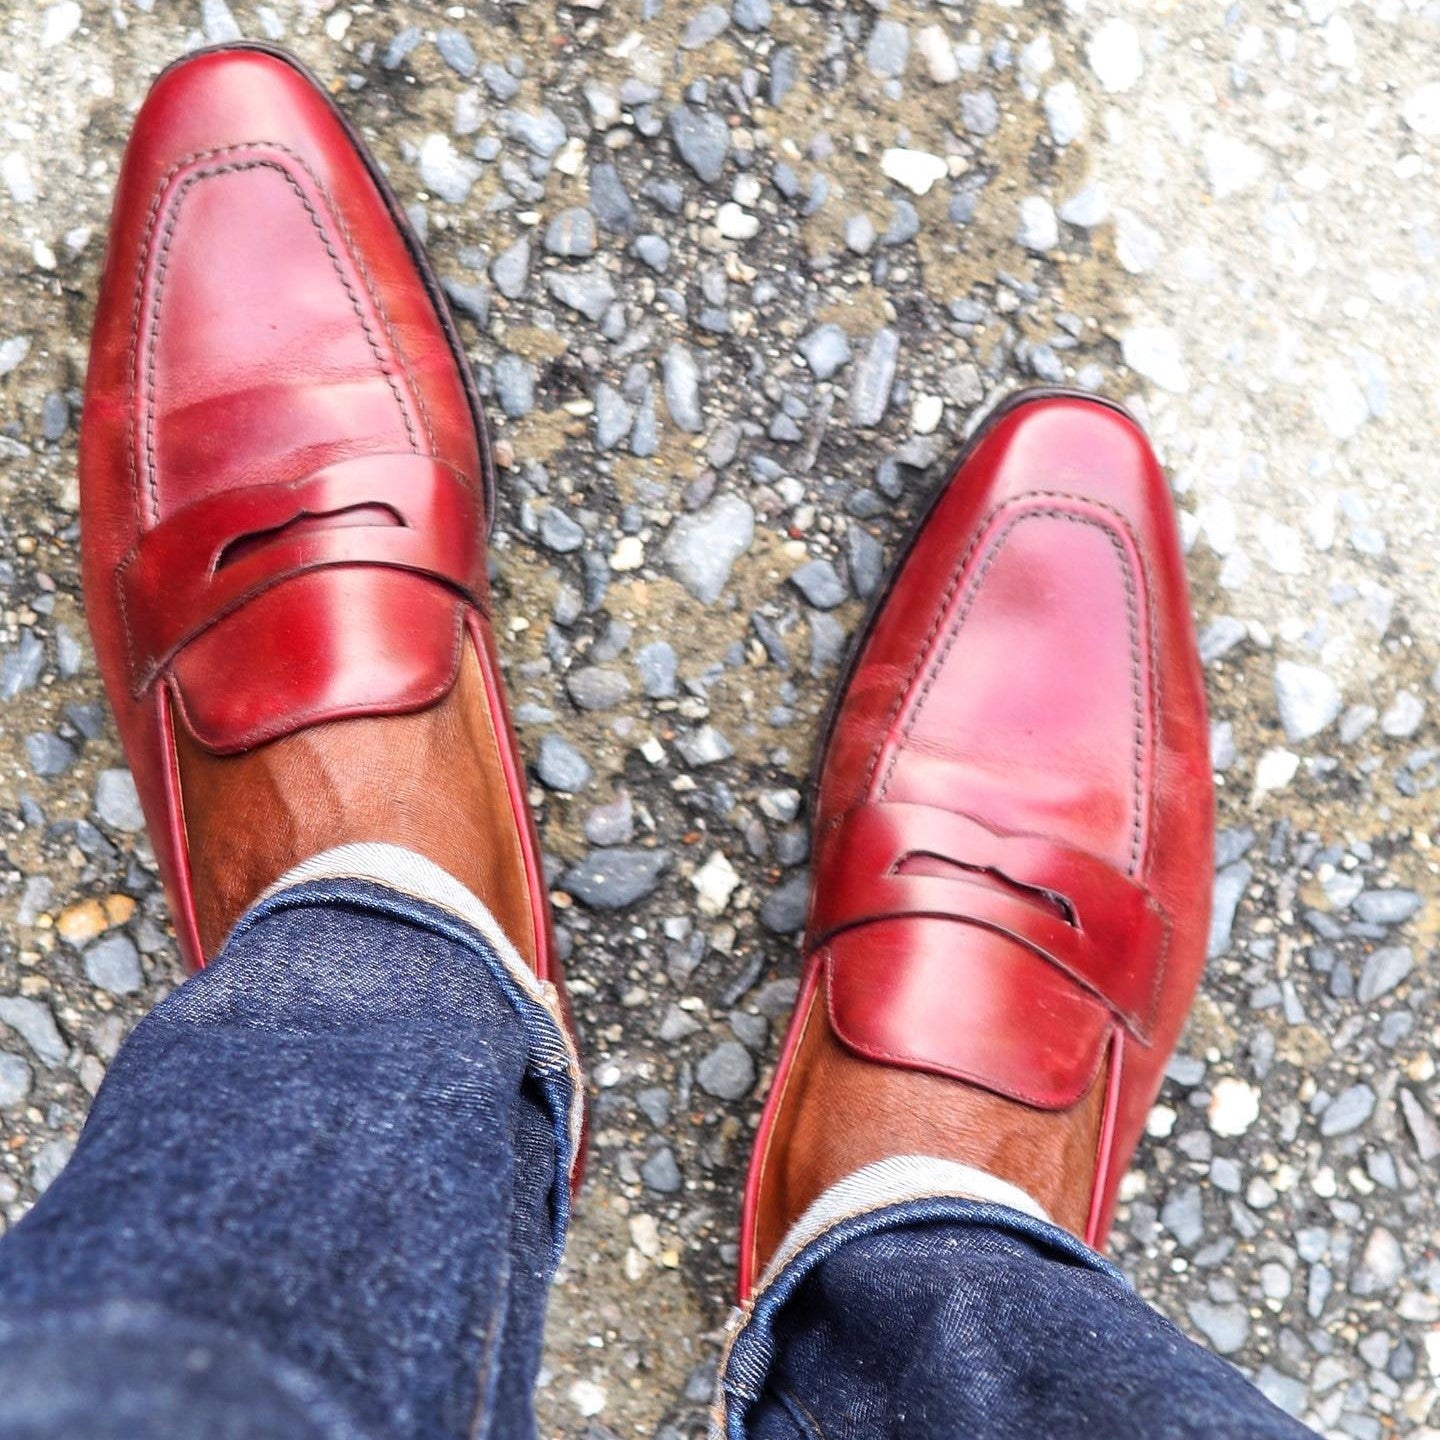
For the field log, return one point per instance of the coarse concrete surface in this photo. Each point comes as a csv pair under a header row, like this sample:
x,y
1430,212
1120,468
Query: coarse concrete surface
x,y
737,279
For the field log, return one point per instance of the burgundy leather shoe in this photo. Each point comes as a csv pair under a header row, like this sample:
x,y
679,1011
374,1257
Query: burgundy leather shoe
x,y
285,484
1012,838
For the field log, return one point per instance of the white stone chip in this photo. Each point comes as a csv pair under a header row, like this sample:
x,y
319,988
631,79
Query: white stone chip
x,y
938,53
715,883
736,224
1154,352
1114,55
916,170
1039,229
927,413
1421,110
1231,166
1275,769
1138,246
1234,1106
60,22
1065,113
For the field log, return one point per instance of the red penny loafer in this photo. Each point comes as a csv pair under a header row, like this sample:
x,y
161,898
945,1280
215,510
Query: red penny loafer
x,y
285,484
1013,827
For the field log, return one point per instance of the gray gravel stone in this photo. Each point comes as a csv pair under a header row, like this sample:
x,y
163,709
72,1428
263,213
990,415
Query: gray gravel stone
x,y
1403,715
865,559
613,417
1183,1215
888,52
471,300
751,15
658,666
682,388
727,1072
445,172
610,201
1308,698
561,766
22,665
15,1080
827,643
1039,229
1386,907
1422,1127
783,912
655,1105
1382,1263
543,132
860,234
401,45
501,84
871,383
54,416
702,140
784,71
510,270
702,548
980,112
826,349
1225,1327
113,963
52,1158
654,250
33,1022
219,22
1064,113
1383,971
560,531
705,746
1230,886
571,234
1220,637
819,582
597,687
456,51
116,801
645,436
48,754
589,293
706,24
615,877
661,1173
612,823
1348,1111
514,384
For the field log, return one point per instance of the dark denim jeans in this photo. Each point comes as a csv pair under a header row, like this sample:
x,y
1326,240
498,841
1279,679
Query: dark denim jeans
x,y
324,1187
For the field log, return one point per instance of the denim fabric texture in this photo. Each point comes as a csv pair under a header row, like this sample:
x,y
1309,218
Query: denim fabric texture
x,y
320,1195
324,1187
950,1319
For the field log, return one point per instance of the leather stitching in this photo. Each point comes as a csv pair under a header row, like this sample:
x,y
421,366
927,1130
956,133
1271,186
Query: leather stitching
x,y
976,581
356,254
173,216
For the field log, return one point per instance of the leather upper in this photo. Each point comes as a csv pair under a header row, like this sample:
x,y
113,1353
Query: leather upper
x,y
284,481
1013,830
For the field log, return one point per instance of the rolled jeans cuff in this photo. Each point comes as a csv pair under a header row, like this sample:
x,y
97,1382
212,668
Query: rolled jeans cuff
x,y
910,1191
416,881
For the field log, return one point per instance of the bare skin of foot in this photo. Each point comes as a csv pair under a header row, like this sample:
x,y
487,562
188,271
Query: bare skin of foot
x,y
844,1112
413,780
